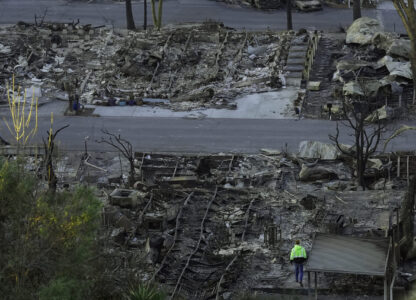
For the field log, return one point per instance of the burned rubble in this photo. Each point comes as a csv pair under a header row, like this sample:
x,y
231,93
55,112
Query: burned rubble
x,y
180,67
366,62
216,226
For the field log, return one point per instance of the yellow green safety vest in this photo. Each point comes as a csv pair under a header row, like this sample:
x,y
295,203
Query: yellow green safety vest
x,y
298,252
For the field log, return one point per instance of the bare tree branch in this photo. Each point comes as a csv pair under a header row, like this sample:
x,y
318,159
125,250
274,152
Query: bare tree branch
x,y
124,147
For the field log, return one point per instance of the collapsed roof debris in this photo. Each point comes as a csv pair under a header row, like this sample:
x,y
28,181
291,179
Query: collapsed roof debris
x,y
181,67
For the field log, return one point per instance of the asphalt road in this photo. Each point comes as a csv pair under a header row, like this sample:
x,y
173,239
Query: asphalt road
x,y
204,136
180,11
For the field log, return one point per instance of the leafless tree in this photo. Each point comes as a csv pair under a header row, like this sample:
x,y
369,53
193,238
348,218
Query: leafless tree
x,y
367,136
41,18
49,150
125,148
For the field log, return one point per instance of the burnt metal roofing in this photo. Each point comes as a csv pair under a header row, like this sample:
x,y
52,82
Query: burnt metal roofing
x,y
344,254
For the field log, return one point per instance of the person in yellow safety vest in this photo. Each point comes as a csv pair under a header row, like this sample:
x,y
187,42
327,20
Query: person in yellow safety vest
x,y
298,255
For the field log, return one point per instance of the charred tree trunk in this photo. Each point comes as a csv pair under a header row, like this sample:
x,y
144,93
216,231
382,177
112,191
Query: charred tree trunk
x,y
52,179
289,14
413,64
49,150
132,175
361,163
145,14
356,9
129,16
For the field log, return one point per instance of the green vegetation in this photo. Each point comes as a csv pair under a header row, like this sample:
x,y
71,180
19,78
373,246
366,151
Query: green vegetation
x,y
48,241
145,292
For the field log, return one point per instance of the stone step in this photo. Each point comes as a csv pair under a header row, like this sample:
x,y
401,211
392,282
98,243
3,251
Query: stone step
x,y
296,55
298,43
294,74
293,82
298,48
294,68
296,61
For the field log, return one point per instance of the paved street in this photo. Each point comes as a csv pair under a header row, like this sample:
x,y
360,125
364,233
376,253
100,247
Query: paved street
x,y
208,135
178,11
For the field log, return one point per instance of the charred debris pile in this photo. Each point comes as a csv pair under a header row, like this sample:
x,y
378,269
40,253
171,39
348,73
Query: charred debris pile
x,y
180,67
366,63
207,226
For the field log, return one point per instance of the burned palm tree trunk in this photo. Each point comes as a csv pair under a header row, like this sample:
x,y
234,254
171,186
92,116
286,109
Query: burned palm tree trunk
x,y
129,15
356,10
289,14
145,14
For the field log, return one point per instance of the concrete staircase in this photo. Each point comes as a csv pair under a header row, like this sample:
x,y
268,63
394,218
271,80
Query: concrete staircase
x,y
295,64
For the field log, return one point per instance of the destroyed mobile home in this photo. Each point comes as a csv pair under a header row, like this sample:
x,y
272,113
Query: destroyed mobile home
x,y
180,67
220,226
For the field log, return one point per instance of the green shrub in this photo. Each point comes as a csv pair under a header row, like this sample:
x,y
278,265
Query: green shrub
x,y
61,289
145,292
48,241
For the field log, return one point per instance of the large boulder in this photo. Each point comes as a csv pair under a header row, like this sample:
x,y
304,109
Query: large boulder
x,y
314,149
383,40
362,31
399,47
400,69
319,171
392,44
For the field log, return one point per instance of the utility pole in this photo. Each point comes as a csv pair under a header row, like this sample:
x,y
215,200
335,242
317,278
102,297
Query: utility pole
x,y
289,14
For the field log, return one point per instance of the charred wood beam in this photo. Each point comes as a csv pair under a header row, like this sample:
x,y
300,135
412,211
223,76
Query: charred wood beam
x,y
197,245
162,55
145,209
227,269
221,49
247,218
238,57
216,67
181,57
175,237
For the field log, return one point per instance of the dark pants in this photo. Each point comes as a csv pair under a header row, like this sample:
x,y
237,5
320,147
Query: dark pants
x,y
299,272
